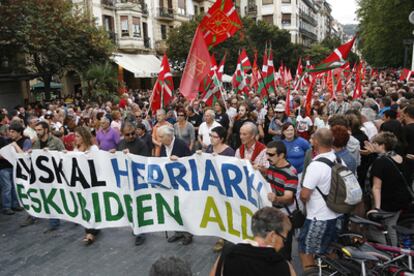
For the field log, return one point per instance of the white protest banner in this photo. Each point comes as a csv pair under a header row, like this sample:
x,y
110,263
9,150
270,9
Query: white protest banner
x,y
201,194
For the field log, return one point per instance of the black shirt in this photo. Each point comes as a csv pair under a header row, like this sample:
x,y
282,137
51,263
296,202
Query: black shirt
x,y
394,193
3,162
223,120
137,147
248,260
409,138
195,120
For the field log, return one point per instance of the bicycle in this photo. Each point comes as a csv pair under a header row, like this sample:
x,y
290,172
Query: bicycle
x,y
359,257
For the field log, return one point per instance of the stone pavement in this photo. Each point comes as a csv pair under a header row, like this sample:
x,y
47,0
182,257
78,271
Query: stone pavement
x,y
28,251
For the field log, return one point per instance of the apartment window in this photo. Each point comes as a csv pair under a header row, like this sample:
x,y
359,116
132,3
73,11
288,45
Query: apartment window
x,y
286,18
181,7
268,19
267,2
286,1
201,10
124,26
136,26
108,23
195,10
163,32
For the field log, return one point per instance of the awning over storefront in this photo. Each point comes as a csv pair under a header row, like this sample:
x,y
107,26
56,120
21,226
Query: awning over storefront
x,y
142,66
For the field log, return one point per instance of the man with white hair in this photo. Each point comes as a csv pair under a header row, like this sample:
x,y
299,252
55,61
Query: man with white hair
x,y
368,116
174,148
205,128
161,116
251,149
107,137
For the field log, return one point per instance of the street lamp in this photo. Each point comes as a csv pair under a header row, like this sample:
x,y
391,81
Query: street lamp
x,y
411,19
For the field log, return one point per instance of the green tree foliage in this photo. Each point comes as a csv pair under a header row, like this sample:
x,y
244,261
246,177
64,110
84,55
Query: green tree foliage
x,y
253,37
52,36
383,26
102,82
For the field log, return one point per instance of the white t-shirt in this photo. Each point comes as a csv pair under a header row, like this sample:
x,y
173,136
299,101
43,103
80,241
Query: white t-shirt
x,y
319,174
204,131
303,124
319,123
369,129
231,112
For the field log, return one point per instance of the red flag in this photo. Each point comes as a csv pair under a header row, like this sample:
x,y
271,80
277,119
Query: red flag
x,y
340,53
287,104
163,87
406,74
208,80
239,80
196,68
220,70
298,75
220,22
309,98
358,87
255,74
330,84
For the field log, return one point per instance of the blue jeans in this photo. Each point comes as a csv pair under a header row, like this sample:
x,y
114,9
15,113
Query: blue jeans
x,y
8,193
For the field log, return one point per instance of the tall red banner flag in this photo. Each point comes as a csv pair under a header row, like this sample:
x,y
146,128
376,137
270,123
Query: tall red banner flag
x,y
220,22
163,87
196,68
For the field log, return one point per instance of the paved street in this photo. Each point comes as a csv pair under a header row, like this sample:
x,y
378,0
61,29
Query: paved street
x,y
27,251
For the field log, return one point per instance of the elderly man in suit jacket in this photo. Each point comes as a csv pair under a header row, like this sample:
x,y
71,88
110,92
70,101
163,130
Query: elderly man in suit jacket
x,y
174,148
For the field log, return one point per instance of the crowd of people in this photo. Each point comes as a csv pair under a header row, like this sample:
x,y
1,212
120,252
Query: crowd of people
x,y
372,135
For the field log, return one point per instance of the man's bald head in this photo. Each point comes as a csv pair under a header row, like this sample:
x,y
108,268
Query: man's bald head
x,y
323,137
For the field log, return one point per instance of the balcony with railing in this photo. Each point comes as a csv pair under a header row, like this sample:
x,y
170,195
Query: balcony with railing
x,y
250,9
108,3
308,18
144,8
307,33
165,13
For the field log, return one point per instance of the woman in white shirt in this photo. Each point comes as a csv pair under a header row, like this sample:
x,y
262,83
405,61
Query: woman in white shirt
x,y
83,143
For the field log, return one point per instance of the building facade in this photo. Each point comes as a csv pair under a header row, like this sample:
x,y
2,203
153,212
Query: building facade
x,y
307,21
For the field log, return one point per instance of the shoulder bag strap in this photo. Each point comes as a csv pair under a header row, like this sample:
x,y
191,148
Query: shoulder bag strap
x,y
330,164
402,176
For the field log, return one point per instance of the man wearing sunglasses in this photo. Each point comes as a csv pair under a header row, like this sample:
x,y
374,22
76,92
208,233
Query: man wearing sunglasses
x,y
283,179
132,144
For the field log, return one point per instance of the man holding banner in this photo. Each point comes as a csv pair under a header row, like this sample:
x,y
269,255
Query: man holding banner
x,y
132,144
174,148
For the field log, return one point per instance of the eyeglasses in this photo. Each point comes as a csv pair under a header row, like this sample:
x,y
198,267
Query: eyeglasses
x,y
130,134
214,136
270,154
180,115
284,239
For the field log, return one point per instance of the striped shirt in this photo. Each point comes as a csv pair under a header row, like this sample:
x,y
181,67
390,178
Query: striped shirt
x,y
281,180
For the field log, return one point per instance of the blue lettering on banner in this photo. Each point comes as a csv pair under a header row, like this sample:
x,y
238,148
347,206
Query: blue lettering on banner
x,y
194,175
210,171
136,167
178,179
155,176
230,182
118,172
250,178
